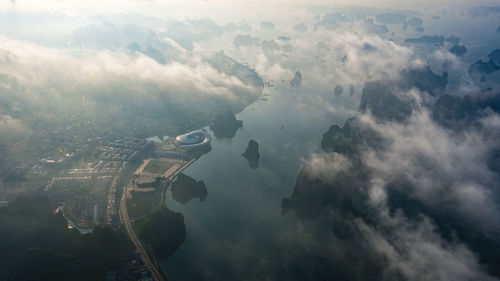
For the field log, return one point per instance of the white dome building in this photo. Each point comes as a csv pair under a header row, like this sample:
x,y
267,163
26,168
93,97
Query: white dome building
x,y
194,139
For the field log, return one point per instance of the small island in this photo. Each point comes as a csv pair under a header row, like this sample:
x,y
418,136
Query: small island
x,y
297,80
338,90
351,90
225,125
185,188
252,154
458,50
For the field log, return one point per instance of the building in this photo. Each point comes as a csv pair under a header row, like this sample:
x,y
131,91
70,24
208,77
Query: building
x,y
194,139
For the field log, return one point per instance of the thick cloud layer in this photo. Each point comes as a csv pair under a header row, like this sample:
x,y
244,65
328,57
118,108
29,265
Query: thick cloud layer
x,y
437,163
424,199
31,68
400,210
416,251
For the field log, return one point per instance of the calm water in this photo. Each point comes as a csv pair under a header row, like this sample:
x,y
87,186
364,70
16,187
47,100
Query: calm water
x,y
238,231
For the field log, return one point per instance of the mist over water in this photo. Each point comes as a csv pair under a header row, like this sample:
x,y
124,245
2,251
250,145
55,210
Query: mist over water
x,y
240,221
370,134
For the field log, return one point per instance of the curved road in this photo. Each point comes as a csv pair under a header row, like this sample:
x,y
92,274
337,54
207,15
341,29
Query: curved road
x,y
152,267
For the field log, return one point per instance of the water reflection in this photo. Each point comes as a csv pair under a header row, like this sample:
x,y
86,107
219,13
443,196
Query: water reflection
x,y
185,188
252,154
240,223
225,125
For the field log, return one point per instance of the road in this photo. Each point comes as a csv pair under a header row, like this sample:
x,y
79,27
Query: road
x,y
151,266
111,208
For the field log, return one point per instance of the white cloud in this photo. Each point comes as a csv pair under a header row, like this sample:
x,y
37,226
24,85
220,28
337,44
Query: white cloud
x,y
417,252
440,163
40,73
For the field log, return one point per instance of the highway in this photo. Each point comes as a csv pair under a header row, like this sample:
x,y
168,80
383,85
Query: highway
x,y
151,266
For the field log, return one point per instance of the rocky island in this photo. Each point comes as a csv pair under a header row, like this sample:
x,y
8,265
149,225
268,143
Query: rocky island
x,y
185,188
297,80
252,154
225,125
343,186
458,50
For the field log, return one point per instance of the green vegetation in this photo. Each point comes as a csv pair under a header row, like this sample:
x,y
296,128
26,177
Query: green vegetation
x,y
141,203
159,166
37,245
185,188
164,230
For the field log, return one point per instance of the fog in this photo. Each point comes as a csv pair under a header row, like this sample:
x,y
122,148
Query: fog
x,y
411,150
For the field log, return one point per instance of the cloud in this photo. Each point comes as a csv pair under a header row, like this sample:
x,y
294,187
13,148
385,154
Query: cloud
x,y
437,168
13,136
422,200
41,74
327,167
447,184
437,162
416,251
327,59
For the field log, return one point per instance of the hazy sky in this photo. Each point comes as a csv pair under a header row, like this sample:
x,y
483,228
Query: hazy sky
x,y
223,8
